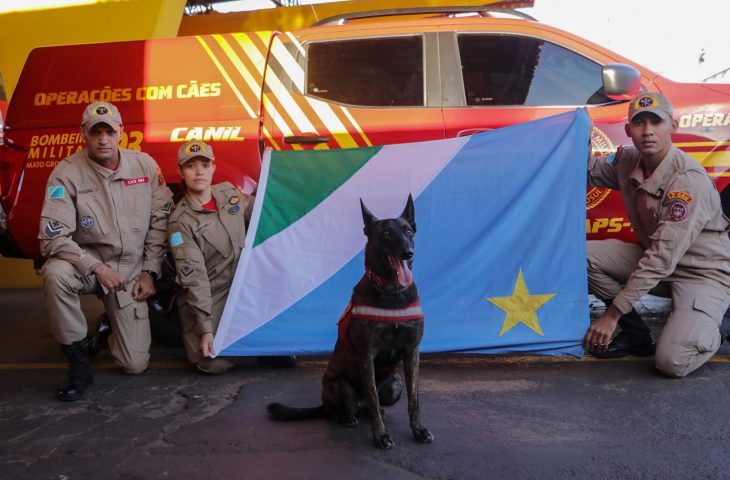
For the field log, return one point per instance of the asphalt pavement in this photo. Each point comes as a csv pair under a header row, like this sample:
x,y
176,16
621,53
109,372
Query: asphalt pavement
x,y
492,417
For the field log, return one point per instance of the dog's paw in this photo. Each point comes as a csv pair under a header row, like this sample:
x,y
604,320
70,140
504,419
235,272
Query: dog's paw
x,y
384,442
350,422
423,435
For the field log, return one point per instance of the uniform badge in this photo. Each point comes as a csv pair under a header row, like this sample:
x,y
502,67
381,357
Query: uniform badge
x,y
186,270
56,192
234,209
234,200
87,222
685,197
176,239
167,208
53,228
677,210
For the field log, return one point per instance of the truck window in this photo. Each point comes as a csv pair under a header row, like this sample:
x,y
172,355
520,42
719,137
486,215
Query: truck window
x,y
513,70
377,72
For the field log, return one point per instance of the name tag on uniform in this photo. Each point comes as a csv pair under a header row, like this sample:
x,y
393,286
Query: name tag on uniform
x,y
136,181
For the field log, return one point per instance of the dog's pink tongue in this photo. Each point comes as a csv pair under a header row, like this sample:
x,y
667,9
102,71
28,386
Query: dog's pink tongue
x,y
405,277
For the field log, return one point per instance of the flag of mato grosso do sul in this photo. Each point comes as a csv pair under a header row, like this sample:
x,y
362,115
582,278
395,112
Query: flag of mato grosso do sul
x,y
500,260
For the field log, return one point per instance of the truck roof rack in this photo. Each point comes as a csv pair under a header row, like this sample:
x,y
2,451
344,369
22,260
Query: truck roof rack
x,y
443,10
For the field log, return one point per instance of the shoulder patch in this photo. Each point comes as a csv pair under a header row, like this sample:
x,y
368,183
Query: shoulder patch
x,y
167,208
176,239
57,191
678,210
686,197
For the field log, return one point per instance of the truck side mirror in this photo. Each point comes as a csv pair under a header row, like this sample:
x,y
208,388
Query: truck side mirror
x,y
620,81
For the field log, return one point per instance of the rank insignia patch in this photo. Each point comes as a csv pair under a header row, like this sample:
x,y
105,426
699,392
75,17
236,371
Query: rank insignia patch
x,y
53,228
186,270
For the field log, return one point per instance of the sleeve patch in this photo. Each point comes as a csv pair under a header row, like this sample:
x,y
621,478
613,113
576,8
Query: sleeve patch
x,y
176,239
167,208
686,197
57,191
186,270
53,228
678,210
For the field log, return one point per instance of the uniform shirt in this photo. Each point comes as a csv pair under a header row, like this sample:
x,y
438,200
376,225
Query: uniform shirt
x,y
677,217
94,215
207,245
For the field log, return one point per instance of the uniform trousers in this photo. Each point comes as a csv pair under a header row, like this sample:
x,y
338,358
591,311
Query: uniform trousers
x,y
191,338
130,338
691,334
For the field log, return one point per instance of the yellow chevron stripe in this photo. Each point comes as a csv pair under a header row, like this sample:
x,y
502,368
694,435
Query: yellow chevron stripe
x,y
258,60
296,42
701,144
283,126
712,159
284,97
228,79
323,111
354,123
336,128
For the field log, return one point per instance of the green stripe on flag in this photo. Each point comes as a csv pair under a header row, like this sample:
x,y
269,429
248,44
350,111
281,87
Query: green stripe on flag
x,y
298,181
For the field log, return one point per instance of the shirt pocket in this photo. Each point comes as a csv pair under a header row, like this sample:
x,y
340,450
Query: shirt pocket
x,y
92,218
218,239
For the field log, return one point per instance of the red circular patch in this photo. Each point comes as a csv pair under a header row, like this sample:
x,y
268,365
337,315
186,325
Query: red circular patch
x,y
678,210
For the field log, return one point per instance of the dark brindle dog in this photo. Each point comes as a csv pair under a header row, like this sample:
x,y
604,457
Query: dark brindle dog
x,y
382,325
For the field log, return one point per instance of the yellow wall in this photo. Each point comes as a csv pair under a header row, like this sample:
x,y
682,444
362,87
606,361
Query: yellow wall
x,y
100,21
18,273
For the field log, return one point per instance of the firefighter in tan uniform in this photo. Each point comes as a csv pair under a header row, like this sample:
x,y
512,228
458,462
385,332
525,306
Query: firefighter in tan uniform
x,y
102,231
206,234
683,250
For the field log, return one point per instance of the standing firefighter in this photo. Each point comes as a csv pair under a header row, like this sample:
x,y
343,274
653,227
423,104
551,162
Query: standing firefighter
x,y
102,231
683,250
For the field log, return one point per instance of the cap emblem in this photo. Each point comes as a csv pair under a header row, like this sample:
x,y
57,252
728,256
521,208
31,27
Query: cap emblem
x,y
101,110
646,102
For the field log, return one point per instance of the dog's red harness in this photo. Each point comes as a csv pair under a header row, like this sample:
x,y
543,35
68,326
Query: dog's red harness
x,y
375,314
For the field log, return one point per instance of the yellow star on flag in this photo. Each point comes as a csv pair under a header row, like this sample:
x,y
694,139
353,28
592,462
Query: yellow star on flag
x,y
521,307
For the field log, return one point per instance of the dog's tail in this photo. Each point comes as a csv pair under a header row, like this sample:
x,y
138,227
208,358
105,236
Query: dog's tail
x,y
277,411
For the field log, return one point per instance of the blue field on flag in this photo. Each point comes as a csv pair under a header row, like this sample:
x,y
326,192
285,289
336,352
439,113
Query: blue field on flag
x,y
500,258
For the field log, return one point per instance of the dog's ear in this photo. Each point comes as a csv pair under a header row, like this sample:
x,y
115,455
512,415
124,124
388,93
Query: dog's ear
x,y
409,213
367,218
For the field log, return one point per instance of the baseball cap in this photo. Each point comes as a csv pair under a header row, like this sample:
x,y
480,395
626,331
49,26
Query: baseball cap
x,y
101,112
653,102
193,149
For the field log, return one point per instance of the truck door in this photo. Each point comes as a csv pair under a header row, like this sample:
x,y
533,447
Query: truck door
x,y
333,92
508,79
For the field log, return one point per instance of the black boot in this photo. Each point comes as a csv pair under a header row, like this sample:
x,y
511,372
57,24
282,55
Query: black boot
x,y
100,339
79,372
635,339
